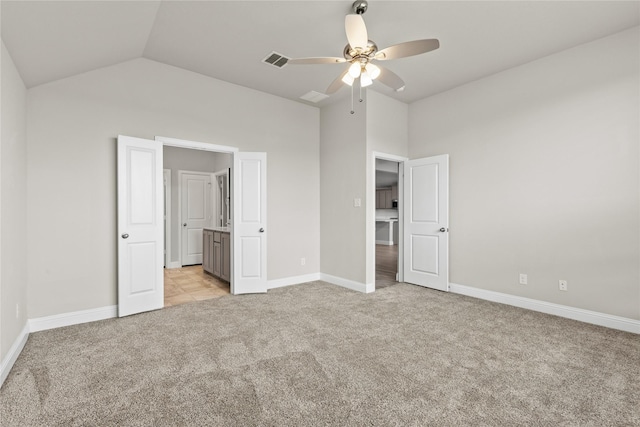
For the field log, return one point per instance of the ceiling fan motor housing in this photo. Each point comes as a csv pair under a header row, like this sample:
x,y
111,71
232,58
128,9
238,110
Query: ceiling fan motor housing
x,y
368,53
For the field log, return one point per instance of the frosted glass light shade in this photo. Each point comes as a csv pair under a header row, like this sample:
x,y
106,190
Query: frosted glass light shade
x,y
372,70
365,80
347,79
354,70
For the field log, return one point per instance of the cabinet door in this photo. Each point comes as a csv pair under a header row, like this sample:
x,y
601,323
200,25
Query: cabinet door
x,y
207,256
225,267
217,254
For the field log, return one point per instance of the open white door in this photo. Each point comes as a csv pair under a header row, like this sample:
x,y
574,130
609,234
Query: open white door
x,y
426,222
249,245
140,226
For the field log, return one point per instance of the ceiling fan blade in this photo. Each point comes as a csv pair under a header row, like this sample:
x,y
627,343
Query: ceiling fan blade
x,y
337,83
324,60
402,50
391,79
356,31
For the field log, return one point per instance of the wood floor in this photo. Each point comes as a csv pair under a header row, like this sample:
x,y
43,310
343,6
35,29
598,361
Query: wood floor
x,y
386,265
188,284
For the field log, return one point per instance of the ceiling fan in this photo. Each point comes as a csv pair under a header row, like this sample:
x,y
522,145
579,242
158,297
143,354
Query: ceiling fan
x,y
360,52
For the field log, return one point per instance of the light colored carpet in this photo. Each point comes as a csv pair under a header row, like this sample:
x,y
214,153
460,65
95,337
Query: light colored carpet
x,y
317,354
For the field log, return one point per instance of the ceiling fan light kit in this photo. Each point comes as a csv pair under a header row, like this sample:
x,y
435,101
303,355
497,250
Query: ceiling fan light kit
x,y
360,51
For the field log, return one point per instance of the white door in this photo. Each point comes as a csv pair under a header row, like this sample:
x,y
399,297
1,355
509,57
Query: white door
x,y
196,213
249,244
426,222
140,226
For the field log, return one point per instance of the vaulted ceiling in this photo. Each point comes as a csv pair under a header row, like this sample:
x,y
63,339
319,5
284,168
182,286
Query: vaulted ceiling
x,y
227,40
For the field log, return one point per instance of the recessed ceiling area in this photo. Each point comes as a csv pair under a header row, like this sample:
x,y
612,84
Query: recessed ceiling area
x,y
228,40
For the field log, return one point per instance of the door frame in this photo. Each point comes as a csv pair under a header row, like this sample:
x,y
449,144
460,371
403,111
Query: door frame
x,y
182,172
166,175
216,193
371,207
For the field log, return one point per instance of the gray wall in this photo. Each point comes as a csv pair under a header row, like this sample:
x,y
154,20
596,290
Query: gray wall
x,y
343,178
176,159
72,126
544,176
13,206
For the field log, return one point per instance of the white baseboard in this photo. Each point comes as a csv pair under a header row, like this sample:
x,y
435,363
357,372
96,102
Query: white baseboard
x,y
294,280
73,318
13,353
174,264
587,316
384,242
349,284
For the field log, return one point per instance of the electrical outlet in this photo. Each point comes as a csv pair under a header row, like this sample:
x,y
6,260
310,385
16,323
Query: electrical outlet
x,y
303,261
562,285
357,203
523,279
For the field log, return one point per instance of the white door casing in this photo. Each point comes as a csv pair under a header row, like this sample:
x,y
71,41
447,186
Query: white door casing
x,y
426,222
166,178
249,245
195,214
140,225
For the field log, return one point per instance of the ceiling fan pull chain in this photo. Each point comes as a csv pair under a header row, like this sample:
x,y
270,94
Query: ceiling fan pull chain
x,y
360,88
352,110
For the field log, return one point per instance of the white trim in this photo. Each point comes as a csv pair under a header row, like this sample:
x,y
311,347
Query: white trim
x,y
13,353
347,283
195,145
391,157
73,318
587,316
293,280
166,174
174,264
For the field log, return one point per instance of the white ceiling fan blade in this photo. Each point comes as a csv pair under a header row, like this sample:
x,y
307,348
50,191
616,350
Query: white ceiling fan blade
x,y
391,79
356,31
337,83
402,50
320,60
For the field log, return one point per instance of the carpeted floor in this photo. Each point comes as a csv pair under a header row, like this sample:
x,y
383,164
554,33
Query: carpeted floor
x,y
317,354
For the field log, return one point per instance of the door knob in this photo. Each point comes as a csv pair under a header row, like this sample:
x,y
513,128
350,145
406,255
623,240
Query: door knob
x,y
125,236
262,230
184,225
442,230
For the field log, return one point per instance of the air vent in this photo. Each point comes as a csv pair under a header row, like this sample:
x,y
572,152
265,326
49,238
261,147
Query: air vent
x,y
314,96
275,59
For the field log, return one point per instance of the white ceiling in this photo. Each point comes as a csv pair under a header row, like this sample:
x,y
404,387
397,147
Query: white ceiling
x,y
228,40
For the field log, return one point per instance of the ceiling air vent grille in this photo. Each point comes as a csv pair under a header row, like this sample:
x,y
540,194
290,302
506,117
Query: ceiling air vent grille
x,y
275,59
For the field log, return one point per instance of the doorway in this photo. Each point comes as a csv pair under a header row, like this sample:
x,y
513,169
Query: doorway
x,y
195,207
387,221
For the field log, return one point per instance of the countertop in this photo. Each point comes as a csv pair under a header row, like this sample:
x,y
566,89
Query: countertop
x,y
386,219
